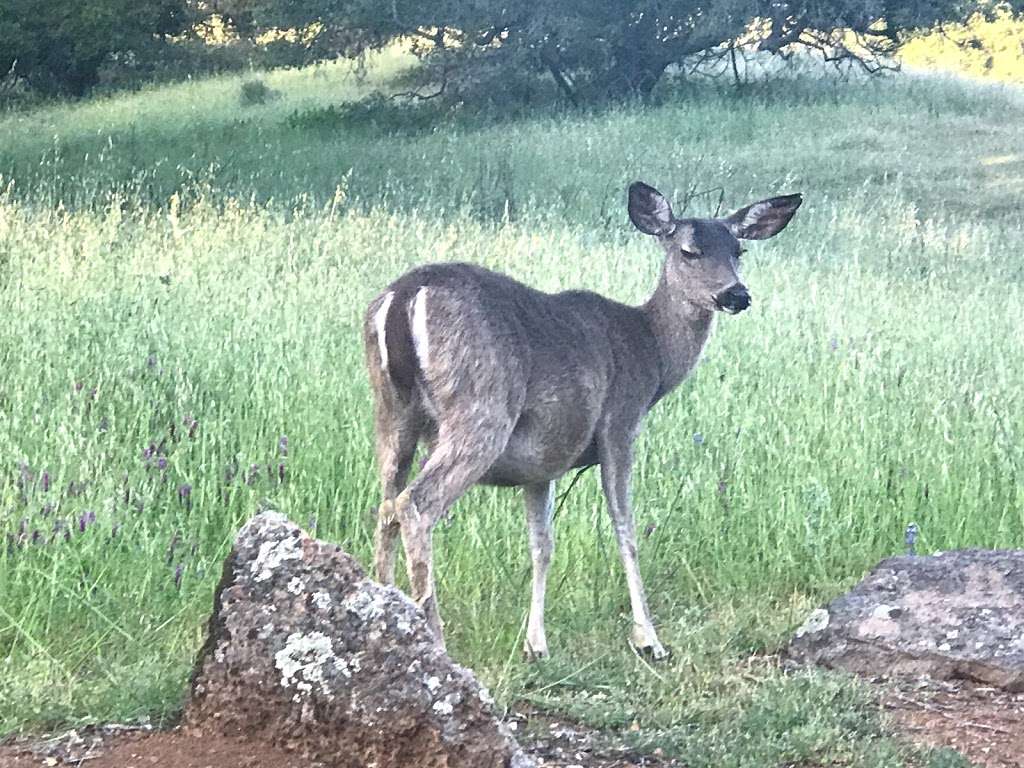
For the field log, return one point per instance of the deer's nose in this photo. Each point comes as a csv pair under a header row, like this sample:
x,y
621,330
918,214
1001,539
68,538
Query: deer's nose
x,y
733,299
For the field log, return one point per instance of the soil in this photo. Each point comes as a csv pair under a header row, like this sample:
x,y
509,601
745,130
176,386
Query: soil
x,y
554,744
984,724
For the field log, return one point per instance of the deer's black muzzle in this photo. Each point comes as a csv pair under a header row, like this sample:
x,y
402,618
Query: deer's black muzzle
x,y
733,299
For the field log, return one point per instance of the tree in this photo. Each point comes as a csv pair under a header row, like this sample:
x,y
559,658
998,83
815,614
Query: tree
x,y
60,45
594,49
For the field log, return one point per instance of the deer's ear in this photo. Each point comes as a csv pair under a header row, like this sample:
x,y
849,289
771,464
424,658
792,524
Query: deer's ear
x,y
760,221
649,210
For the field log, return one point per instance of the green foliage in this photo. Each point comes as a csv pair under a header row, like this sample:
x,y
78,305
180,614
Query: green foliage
x,y
60,45
178,294
254,92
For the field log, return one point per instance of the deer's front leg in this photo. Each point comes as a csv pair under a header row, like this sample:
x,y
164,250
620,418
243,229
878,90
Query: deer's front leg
x,y
540,504
616,469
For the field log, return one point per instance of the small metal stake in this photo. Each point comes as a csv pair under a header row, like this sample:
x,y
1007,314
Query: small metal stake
x,y
910,538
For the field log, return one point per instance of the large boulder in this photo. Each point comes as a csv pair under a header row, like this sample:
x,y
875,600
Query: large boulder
x,y
305,653
951,615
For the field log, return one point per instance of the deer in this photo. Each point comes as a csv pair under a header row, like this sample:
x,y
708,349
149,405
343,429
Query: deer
x,y
510,386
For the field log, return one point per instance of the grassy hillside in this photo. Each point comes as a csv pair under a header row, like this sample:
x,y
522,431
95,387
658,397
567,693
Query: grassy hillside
x,y
181,281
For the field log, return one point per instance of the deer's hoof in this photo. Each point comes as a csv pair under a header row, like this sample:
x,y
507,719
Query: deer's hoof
x,y
534,655
656,652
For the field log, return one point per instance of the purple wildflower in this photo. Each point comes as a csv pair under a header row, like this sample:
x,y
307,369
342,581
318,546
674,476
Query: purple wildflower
x,y
46,481
280,472
78,386
698,438
833,343
161,463
178,573
185,495
282,446
151,361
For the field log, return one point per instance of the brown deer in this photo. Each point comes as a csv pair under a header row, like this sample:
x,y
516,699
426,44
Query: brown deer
x,y
514,387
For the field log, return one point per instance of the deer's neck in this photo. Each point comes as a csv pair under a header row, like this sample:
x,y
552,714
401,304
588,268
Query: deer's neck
x,y
680,328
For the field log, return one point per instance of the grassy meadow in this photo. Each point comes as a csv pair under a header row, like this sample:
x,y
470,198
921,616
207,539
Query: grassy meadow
x,y
181,285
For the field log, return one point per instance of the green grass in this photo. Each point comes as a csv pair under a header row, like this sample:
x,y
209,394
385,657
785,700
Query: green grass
x,y
171,256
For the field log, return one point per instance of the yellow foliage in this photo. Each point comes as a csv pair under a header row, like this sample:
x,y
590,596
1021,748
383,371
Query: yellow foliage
x,y
986,49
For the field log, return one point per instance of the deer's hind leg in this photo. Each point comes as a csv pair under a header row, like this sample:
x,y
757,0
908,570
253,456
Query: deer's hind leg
x,y
398,423
460,458
473,389
397,436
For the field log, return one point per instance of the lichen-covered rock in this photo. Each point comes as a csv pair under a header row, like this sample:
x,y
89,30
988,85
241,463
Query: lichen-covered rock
x,y
952,615
306,653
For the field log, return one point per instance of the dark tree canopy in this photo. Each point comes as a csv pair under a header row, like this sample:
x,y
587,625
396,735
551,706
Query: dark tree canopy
x,y
590,49
609,48
59,45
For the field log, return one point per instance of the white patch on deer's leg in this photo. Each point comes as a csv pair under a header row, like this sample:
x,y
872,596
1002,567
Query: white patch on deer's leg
x,y
540,505
380,318
419,328
643,636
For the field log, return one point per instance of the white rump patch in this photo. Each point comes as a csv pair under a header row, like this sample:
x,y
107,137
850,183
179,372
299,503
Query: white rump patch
x,y
379,321
419,328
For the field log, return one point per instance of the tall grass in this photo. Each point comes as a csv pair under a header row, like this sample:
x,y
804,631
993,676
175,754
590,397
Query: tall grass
x,y
182,280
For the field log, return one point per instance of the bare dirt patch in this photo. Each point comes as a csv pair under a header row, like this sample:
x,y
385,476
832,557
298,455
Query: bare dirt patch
x,y
984,724
552,742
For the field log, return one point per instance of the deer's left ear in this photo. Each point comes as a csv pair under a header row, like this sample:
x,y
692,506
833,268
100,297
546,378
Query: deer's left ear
x,y
764,219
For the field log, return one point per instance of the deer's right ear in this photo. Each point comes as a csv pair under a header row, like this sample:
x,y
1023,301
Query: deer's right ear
x,y
649,210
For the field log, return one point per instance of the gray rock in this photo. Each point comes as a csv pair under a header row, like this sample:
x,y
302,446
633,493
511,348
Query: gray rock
x,y
305,653
952,615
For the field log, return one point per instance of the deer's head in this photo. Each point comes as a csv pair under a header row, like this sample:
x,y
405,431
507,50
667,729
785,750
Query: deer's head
x,y
703,255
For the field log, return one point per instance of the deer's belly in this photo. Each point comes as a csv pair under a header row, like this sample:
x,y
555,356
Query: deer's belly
x,y
544,446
